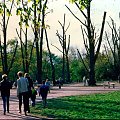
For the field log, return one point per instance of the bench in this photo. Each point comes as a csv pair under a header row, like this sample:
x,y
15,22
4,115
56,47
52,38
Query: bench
x,y
109,84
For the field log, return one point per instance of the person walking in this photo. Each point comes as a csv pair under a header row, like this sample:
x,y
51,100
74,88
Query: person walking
x,y
5,87
33,96
43,91
26,75
30,86
22,92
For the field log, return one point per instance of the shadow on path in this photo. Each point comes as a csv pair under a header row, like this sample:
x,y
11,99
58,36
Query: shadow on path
x,y
66,90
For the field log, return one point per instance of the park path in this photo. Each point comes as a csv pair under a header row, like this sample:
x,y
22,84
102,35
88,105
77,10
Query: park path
x,y
66,90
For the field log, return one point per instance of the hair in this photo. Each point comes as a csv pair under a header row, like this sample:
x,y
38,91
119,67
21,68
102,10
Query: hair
x,y
20,73
43,82
4,76
26,75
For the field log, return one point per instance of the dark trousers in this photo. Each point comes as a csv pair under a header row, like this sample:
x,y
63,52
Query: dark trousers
x,y
44,99
5,103
33,100
24,96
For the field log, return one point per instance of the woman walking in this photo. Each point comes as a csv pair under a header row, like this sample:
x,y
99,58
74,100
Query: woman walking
x,y
5,87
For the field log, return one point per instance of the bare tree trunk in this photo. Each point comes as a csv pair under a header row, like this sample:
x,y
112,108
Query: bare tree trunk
x,y
41,39
37,45
26,54
52,65
5,46
63,69
91,45
68,69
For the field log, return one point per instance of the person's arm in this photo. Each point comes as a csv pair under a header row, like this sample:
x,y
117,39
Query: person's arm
x,y
18,87
0,86
10,84
35,92
39,91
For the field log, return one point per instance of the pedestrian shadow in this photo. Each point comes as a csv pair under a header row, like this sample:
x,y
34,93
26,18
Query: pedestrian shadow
x,y
22,116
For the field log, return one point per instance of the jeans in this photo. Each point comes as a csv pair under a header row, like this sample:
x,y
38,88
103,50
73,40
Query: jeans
x,y
5,103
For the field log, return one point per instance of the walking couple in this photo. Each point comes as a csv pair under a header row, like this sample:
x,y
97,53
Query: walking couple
x,y
24,89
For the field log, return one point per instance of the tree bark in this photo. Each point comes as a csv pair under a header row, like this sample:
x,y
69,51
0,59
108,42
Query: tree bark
x,y
52,65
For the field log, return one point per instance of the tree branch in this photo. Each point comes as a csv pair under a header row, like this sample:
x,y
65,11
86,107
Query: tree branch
x,y
101,34
75,16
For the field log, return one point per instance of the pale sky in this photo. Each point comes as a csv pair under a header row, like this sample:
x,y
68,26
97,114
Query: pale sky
x,y
97,10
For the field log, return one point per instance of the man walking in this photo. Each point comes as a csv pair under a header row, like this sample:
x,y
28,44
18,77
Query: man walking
x,y
22,91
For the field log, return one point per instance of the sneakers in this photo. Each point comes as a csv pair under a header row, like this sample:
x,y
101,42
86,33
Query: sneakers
x,y
19,111
25,113
28,111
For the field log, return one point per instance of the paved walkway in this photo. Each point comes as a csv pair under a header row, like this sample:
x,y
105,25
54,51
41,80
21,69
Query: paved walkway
x,y
68,90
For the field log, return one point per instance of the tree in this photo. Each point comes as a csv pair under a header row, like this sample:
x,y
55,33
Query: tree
x,y
65,49
89,42
51,61
114,47
5,13
25,17
39,17
36,14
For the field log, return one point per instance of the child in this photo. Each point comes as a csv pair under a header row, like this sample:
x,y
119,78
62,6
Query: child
x,y
43,92
33,96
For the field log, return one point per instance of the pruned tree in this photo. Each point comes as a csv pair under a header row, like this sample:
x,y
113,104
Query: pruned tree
x,y
91,44
65,50
113,42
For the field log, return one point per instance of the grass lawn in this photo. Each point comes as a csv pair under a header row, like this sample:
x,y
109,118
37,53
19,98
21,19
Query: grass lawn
x,y
95,106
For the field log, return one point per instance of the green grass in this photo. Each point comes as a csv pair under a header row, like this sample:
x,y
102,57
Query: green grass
x,y
95,106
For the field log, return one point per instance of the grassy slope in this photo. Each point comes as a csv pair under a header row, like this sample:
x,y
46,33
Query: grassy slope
x,y
95,106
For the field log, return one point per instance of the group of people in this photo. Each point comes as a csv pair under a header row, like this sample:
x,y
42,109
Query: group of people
x,y
25,90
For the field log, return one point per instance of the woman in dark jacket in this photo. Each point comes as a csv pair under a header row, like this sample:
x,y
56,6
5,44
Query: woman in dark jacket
x,y
5,87
30,85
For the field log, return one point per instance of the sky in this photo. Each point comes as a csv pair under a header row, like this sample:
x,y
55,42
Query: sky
x,y
97,10
58,6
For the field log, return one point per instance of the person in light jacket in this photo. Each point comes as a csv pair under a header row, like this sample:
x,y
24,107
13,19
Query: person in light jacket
x,y
22,91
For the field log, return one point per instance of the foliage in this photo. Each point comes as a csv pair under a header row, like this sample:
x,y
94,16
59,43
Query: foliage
x,y
104,69
102,65
77,70
33,69
82,3
2,6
